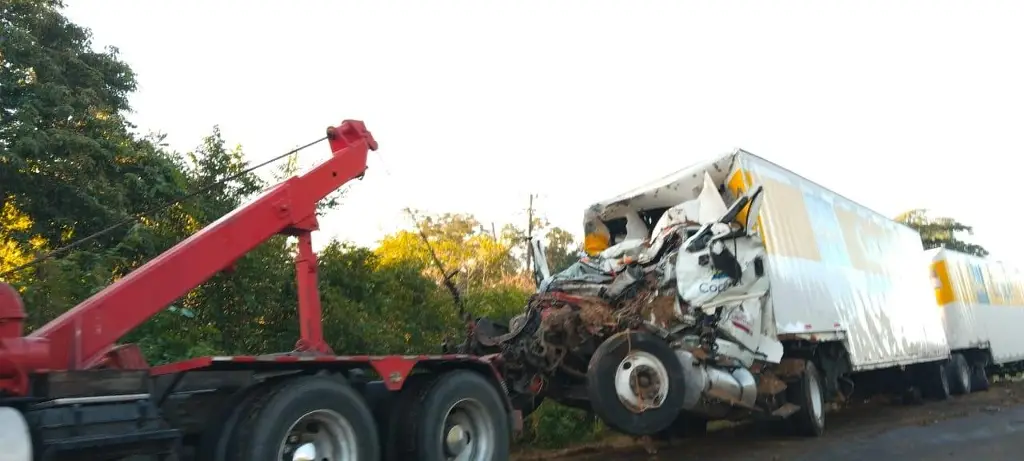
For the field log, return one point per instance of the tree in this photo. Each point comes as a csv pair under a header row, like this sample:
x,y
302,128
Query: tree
x,y
561,248
69,161
941,232
457,240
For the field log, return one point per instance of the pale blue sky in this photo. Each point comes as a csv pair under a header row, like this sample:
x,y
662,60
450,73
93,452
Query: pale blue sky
x,y
478,103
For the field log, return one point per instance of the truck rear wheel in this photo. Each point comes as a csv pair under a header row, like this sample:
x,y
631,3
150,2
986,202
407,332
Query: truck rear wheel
x,y
933,379
635,383
320,417
979,378
457,415
959,375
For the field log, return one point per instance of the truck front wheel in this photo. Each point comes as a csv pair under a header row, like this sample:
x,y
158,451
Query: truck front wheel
x,y
320,417
635,383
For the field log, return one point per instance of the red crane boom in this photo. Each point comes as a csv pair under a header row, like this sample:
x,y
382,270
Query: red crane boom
x,y
85,336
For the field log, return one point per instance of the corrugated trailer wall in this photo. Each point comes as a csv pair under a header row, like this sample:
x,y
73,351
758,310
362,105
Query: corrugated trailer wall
x,y
837,266
981,303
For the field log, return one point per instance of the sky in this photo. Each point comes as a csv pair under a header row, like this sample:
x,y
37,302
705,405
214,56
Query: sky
x,y
478,104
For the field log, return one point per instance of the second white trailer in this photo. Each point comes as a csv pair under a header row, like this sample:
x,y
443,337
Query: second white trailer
x,y
981,303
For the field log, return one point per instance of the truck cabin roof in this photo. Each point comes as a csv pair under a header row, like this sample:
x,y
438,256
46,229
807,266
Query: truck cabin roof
x,y
651,200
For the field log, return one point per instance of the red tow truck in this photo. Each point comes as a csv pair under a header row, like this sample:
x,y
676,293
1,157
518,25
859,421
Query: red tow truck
x,y
68,391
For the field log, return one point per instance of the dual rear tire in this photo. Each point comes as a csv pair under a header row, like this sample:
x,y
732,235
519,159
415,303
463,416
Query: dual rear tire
x,y
454,415
967,377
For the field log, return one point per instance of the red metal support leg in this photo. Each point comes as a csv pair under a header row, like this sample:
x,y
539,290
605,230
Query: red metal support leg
x,y
310,322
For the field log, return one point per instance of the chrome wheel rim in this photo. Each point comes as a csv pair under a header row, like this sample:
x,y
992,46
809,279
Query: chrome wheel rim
x,y
467,432
320,435
641,381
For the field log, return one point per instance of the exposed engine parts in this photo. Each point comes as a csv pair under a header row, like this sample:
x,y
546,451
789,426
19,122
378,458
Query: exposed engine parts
x,y
650,327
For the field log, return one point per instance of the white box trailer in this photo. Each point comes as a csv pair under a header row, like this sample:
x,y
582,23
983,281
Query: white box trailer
x,y
838,270
981,303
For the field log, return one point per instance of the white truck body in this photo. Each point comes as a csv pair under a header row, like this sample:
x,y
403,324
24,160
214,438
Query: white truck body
x,y
981,303
838,271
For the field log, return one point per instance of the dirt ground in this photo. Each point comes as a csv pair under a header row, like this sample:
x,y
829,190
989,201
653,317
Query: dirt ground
x,y
980,426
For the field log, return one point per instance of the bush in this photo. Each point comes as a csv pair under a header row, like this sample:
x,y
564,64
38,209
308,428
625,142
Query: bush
x,y
557,426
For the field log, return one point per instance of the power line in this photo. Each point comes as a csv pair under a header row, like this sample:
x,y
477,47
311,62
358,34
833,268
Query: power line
x,y
153,210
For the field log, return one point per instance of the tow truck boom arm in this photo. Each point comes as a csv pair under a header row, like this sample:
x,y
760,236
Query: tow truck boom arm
x,y
83,336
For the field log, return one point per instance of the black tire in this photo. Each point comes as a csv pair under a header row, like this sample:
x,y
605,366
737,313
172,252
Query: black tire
x,y
427,407
269,419
808,393
979,378
604,365
959,371
215,439
933,379
393,415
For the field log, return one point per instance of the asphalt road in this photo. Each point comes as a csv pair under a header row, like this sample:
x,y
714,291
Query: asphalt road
x,y
986,426
983,436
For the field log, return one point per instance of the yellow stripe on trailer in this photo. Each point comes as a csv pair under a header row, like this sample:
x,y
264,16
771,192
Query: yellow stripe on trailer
x,y
943,287
975,281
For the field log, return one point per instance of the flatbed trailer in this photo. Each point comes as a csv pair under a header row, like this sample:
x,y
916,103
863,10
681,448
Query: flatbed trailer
x,y
68,391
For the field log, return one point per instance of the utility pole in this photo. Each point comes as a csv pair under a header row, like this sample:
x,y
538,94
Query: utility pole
x,y
529,236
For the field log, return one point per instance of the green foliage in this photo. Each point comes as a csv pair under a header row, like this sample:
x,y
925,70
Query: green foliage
x,y
68,158
941,232
562,250
555,426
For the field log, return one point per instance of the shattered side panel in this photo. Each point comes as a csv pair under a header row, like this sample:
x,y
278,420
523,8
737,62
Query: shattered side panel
x,y
981,302
836,266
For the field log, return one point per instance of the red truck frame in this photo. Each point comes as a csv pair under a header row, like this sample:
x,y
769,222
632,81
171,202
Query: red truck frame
x,y
76,394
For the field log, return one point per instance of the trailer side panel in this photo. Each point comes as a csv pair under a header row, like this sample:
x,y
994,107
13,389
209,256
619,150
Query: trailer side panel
x,y
840,268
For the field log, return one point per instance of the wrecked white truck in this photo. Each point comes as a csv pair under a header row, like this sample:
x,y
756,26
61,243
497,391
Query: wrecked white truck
x,y
734,289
